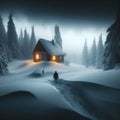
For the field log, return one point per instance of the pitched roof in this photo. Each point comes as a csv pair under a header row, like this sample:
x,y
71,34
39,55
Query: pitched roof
x,y
51,47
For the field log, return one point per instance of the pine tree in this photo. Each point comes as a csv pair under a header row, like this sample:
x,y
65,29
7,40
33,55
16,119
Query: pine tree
x,y
3,63
3,39
57,37
32,40
3,53
12,39
21,38
21,42
26,45
93,54
85,56
99,53
112,45
3,36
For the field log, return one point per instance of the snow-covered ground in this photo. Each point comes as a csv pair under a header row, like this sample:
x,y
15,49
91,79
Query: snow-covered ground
x,y
92,93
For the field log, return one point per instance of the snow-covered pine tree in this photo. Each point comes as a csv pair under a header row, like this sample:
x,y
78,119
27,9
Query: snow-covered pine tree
x,y
21,38
3,39
99,53
93,54
85,56
57,37
26,45
21,43
3,54
3,36
3,62
32,40
111,55
12,38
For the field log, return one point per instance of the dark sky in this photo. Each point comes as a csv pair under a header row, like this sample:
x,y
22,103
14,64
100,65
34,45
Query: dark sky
x,y
63,10
78,19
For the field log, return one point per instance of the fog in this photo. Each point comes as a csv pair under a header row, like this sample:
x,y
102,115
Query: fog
x,y
73,35
78,20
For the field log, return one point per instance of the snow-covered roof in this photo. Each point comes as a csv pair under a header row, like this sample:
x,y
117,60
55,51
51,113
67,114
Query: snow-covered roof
x,y
51,47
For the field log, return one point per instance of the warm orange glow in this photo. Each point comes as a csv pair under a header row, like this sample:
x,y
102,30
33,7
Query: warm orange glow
x,y
31,63
37,56
54,57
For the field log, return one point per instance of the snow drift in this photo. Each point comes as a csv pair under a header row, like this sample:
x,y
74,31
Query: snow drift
x,y
23,105
98,102
80,92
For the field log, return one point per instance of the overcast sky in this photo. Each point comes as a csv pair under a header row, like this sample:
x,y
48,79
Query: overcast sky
x,y
78,19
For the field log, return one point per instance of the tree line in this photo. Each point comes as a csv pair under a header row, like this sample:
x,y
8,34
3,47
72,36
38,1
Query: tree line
x,y
13,46
105,56
94,56
109,57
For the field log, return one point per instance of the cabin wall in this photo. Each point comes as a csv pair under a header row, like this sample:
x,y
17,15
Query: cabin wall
x,y
43,56
39,49
61,58
58,58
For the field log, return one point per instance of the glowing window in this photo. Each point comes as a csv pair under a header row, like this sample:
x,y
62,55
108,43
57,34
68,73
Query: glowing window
x,y
37,56
53,57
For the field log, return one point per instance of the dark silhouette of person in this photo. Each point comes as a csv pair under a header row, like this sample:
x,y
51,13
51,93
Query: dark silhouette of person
x,y
55,76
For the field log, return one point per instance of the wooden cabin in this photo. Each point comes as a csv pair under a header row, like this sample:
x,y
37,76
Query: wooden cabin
x,y
46,50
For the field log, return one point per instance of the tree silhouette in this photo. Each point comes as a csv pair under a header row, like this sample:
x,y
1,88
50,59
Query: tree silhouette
x,y
32,40
12,38
3,39
3,49
93,54
57,37
99,53
85,56
112,45
3,63
26,45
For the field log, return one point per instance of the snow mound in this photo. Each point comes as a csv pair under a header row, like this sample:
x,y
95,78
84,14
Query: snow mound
x,y
21,66
17,94
30,66
35,74
42,63
23,105
91,99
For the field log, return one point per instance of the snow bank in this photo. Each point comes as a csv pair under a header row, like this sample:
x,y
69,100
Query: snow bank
x,y
109,78
23,105
92,100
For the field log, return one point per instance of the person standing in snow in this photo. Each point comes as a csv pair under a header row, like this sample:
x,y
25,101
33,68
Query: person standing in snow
x,y
55,76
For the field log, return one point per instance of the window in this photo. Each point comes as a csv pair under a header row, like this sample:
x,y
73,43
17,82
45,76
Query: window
x,y
53,57
37,57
